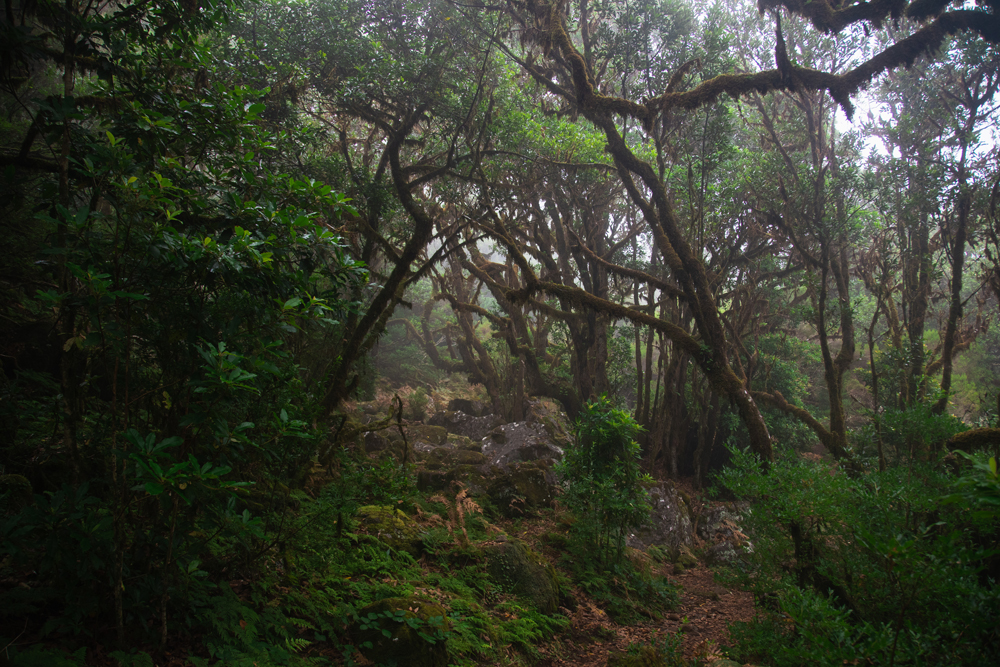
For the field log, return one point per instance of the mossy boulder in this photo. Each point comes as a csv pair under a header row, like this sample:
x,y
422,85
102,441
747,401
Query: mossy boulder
x,y
391,526
647,656
465,424
519,570
450,457
686,557
521,486
403,631
424,437
470,407
463,443
670,524
974,439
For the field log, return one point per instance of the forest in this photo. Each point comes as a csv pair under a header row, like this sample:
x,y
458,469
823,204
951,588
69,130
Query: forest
x,y
451,332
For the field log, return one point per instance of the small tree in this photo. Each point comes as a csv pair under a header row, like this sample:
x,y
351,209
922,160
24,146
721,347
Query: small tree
x,y
603,480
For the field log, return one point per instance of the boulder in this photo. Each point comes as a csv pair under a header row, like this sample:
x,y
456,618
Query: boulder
x,y
450,457
470,407
722,553
424,437
686,557
520,442
721,523
517,569
389,632
669,526
462,423
471,477
512,463
719,527
521,486
391,526
549,414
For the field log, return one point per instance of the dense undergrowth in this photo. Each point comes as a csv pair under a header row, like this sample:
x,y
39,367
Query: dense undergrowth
x,y
897,567
286,576
882,568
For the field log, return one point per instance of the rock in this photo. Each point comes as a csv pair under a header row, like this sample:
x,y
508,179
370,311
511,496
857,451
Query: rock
x,y
391,526
519,570
549,414
464,442
521,486
461,423
424,437
404,645
471,477
470,407
727,542
646,657
669,526
686,557
450,457
722,553
721,524
520,442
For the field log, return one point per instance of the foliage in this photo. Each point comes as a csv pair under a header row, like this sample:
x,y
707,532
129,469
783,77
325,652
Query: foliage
x,y
603,481
882,568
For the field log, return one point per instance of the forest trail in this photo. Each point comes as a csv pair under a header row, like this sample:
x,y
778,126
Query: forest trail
x,y
702,619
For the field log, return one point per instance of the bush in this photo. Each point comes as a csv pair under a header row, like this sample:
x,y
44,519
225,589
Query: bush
x,y
882,568
603,480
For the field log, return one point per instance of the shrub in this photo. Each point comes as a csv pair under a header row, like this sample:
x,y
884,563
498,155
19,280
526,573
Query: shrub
x,y
881,568
603,480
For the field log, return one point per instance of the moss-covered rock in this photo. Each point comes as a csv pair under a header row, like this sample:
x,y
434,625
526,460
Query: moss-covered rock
x,y
686,557
391,526
403,631
449,457
432,478
521,486
464,443
974,439
647,656
519,570
435,436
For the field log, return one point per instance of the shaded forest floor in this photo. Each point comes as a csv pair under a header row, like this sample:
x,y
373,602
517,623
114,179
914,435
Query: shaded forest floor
x,y
701,620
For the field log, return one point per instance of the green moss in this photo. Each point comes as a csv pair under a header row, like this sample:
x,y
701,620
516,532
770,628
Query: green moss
x,y
519,570
404,631
391,526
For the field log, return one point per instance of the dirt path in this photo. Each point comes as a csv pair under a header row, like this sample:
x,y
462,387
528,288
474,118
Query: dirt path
x,y
706,610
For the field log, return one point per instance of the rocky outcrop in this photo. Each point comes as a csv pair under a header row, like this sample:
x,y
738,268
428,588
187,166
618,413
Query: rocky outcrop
x,y
670,524
719,526
462,423
520,442
470,407
511,463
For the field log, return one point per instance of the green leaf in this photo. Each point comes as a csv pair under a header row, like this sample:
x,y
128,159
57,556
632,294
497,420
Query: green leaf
x,y
154,488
